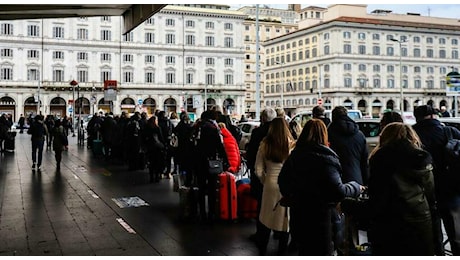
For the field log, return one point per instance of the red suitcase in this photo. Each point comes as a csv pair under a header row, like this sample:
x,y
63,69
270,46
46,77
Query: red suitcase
x,y
247,205
227,196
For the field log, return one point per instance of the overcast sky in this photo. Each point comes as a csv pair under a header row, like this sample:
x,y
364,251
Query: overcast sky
x,y
436,10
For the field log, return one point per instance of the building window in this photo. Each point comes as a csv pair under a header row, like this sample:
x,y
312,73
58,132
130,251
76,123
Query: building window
x,y
347,48
376,83
417,83
106,75
149,77
376,68
106,57
405,69
149,37
189,78
82,75
170,60
6,53
362,49
33,74
347,67
454,42
33,30
82,56
170,38
210,61
228,62
390,83
429,53
347,82
417,69
442,41
442,54
58,75
149,59
346,35
430,70
190,24
58,32
170,77
150,21
6,74
128,77
106,35
33,54
190,60
375,50
210,79
228,42
209,40
58,55
417,52
129,37
209,25
82,34
416,39
429,40
404,52
228,79
362,67
105,18
390,51
375,36
170,22
390,69
6,29
228,26
361,36
326,50
454,54
190,39
128,58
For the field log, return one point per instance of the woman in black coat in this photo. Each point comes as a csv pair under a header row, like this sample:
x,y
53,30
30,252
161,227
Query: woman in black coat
x,y
155,147
403,218
311,177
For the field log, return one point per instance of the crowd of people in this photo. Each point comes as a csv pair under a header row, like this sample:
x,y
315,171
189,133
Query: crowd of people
x,y
307,181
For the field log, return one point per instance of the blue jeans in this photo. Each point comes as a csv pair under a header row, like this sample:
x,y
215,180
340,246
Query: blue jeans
x,y
37,145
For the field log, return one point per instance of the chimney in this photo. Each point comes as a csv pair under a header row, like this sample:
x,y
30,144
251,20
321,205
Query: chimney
x,y
294,7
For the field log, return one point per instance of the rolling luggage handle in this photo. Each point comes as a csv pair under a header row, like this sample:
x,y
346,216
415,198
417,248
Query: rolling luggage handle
x,y
215,166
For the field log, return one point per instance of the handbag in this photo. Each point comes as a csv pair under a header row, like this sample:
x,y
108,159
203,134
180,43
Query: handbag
x,y
215,166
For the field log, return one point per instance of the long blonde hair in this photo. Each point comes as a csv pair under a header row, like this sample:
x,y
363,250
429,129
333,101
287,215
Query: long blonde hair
x,y
278,141
397,131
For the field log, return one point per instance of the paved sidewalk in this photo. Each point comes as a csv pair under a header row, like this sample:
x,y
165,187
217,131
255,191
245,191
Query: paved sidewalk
x,y
73,212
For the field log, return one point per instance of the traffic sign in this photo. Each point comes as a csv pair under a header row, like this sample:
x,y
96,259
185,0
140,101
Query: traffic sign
x,y
320,101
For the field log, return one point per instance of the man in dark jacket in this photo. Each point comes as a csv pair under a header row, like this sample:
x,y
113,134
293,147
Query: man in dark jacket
x,y
38,131
349,143
267,115
432,135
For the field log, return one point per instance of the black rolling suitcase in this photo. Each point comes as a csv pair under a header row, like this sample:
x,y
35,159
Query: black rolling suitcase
x,y
9,144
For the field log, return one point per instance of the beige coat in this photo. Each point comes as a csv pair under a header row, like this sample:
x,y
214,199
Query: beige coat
x,y
268,172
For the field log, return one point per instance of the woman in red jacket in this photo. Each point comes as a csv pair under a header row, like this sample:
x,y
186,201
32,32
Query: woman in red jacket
x,y
231,148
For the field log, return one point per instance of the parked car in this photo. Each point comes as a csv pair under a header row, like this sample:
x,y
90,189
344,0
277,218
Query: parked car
x,y
451,121
371,130
246,128
303,117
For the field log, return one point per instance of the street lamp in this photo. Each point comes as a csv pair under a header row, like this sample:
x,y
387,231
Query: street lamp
x,y
73,83
282,85
400,72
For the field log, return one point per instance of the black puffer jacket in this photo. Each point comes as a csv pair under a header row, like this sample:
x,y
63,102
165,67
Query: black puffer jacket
x,y
402,201
311,175
350,144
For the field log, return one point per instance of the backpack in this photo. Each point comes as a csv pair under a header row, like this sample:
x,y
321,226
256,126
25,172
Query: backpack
x,y
452,159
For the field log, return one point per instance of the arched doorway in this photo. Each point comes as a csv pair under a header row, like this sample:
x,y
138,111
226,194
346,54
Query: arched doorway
x,y
229,105
83,108
128,105
210,102
348,104
362,106
149,105
189,106
58,107
376,108
8,106
30,106
390,104
104,106
170,105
